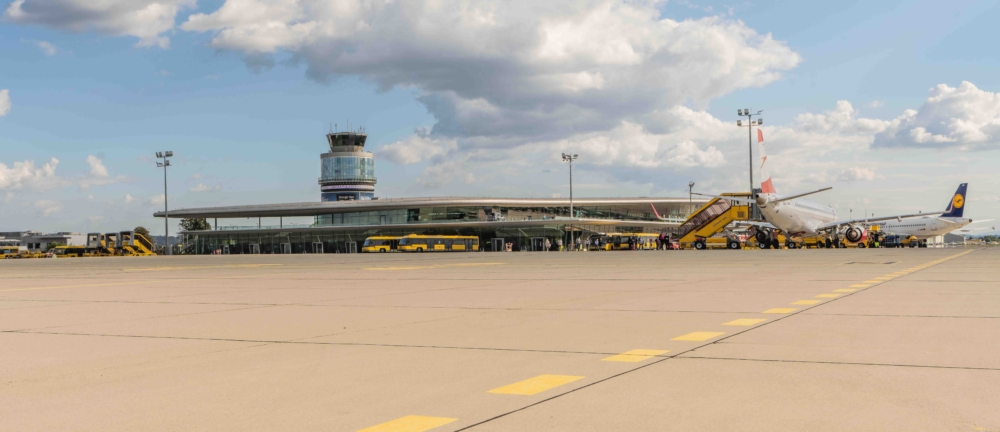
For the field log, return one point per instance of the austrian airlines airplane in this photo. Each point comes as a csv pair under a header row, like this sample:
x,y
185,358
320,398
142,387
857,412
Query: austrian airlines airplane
x,y
798,218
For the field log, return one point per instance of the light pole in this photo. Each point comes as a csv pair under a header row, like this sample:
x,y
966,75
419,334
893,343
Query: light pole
x,y
750,124
166,216
690,192
570,158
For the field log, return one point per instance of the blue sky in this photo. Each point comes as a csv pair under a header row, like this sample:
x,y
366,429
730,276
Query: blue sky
x,y
245,134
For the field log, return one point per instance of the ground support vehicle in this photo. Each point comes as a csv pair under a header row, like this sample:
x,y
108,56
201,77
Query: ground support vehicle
x,y
438,243
132,244
619,241
9,252
67,252
699,231
381,244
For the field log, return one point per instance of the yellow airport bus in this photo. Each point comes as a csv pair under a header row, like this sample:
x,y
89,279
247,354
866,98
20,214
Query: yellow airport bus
x,y
438,243
68,251
619,241
8,252
380,244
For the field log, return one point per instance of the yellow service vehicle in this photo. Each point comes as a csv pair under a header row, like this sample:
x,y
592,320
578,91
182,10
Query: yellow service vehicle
x,y
438,243
381,244
8,252
619,241
68,251
700,229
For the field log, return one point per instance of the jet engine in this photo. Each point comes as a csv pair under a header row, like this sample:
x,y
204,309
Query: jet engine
x,y
855,234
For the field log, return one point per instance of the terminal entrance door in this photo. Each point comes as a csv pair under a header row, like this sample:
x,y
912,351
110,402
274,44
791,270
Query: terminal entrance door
x,y
537,244
497,244
225,250
351,247
254,248
286,248
317,247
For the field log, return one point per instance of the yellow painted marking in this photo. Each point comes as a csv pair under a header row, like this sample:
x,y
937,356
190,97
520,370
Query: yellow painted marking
x,y
845,290
698,336
829,295
807,302
148,269
860,286
536,385
779,310
434,266
746,322
635,356
411,423
87,285
884,278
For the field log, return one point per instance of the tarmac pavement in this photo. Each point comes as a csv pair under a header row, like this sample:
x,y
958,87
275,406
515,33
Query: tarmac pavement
x,y
789,340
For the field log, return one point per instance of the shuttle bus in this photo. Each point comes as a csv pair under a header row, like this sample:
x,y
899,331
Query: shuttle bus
x,y
438,243
380,244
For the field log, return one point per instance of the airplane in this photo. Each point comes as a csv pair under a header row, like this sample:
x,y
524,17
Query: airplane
x,y
798,218
932,226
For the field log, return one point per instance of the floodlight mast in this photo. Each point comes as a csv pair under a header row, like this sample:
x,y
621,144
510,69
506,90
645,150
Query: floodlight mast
x,y
166,215
570,158
750,124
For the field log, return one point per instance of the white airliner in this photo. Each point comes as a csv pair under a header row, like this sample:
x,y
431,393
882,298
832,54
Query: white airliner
x,y
798,218
932,226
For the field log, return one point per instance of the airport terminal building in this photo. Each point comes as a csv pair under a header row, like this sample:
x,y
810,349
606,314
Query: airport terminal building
x,y
348,213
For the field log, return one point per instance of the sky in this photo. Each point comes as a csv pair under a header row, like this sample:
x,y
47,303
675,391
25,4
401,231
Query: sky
x,y
892,103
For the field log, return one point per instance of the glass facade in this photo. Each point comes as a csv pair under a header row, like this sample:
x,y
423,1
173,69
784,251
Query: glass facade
x,y
348,168
318,240
485,214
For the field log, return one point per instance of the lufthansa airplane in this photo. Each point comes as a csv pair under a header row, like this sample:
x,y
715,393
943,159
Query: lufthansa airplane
x,y
932,226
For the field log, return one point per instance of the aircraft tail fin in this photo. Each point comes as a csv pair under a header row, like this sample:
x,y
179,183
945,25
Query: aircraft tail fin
x,y
766,185
956,208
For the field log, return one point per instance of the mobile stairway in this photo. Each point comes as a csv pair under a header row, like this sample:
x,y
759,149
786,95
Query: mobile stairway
x,y
699,230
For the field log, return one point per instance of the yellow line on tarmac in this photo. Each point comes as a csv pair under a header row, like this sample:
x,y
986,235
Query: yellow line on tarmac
x,y
698,336
86,285
635,356
535,385
807,302
411,423
433,266
745,322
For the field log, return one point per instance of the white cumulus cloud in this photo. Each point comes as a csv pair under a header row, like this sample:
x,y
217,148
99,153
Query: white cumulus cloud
x,y
157,199
4,102
147,20
201,187
97,168
26,174
963,118
47,47
48,207
518,74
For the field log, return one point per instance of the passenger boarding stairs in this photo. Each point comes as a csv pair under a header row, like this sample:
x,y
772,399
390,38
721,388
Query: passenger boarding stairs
x,y
711,219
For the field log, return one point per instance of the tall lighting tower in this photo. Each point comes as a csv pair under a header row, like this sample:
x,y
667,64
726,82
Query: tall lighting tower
x,y
570,158
166,217
750,124
690,192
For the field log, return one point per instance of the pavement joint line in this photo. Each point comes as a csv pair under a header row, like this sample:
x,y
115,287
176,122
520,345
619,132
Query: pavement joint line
x,y
839,363
86,285
304,342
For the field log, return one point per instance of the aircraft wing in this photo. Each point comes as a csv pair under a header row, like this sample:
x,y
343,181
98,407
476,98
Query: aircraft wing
x,y
740,200
757,224
835,225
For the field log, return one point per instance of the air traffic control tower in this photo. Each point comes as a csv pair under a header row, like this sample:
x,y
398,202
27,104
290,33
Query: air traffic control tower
x,y
347,171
